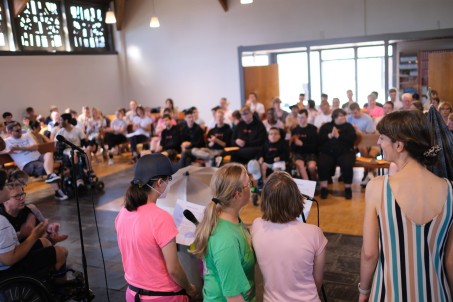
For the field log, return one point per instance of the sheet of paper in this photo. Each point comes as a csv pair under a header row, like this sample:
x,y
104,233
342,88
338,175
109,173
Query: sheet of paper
x,y
308,188
186,229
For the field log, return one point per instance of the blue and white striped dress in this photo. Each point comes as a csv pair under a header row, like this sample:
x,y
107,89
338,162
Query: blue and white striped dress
x,y
411,256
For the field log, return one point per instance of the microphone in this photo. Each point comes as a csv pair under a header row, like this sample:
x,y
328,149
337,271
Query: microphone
x,y
312,198
190,216
63,140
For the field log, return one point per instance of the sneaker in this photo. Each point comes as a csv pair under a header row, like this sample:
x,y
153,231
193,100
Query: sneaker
x,y
52,178
324,193
348,193
60,195
111,162
80,183
218,161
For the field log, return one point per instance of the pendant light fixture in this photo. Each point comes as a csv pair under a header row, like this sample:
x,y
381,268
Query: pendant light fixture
x,y
110,17
154,23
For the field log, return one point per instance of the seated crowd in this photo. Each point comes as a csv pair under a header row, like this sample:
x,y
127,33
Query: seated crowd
x,y
308,142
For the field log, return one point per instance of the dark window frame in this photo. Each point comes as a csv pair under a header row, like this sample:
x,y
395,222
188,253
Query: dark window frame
x,y
63,7
5,26
18,32
108,37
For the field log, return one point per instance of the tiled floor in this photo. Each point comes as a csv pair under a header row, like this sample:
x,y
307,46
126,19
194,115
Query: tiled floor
x,y
343,251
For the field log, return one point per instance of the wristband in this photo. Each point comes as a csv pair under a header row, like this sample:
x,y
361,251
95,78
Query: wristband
x,y
363,291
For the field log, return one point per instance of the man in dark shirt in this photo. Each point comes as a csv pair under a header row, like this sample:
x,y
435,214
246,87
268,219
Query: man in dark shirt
x,y
192,137
249,135
304,146
219,137
170,142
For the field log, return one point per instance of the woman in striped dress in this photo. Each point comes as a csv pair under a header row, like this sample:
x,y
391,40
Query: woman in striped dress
x,y
407,252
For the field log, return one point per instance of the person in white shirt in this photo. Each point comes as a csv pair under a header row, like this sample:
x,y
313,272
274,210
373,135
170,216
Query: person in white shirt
x,y
254,105
393,97
23,149
325,116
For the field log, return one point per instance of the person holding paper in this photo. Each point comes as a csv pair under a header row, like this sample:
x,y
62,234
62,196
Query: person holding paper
x,y
290,254
223,242
146,237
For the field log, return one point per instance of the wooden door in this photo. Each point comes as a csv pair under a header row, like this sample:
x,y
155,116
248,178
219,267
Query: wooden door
x,y
440,74
263,80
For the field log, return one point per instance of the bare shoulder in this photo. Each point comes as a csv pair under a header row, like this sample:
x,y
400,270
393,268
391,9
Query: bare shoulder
x,y
374,189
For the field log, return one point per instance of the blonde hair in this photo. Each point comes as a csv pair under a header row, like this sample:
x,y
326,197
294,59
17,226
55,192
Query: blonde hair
x,y
224,185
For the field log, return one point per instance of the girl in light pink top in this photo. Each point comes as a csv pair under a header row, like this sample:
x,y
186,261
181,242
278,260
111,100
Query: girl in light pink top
x,y
290,254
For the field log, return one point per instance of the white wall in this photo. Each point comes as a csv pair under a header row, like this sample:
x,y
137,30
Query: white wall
x,y
65,81
193,57
68,81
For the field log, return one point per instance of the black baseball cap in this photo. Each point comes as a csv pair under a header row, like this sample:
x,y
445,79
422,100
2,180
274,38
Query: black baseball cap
x,y
152,165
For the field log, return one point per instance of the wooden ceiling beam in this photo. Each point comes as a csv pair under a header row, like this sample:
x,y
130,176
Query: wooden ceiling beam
x,y
224,4
120,10
19,6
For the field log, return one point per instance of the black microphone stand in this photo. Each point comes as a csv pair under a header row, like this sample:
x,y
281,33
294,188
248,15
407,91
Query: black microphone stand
x,y
76,194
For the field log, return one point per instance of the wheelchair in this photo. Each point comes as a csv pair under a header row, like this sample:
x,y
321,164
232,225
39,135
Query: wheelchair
x,y
83,172
23,288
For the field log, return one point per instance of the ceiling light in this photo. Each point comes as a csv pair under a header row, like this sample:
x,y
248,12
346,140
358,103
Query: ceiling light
x,y
246,1
110,17
154,23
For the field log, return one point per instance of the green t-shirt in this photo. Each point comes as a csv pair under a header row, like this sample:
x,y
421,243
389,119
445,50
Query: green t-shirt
x,y
229,264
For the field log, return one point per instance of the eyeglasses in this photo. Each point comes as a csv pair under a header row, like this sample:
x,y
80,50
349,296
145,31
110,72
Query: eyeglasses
x,y
19,196
249,184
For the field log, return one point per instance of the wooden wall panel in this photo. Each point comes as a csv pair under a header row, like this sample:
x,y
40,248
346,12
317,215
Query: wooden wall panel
x,y
263,80
440,74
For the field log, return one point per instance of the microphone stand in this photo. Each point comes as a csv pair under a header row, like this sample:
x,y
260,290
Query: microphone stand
x,y
76,194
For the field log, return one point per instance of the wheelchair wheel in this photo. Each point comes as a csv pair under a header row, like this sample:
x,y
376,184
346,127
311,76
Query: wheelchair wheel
x,y
100,185
23,289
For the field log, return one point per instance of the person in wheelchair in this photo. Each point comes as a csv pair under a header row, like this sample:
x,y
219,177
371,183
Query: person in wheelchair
x,y
35,255
25,217
76,136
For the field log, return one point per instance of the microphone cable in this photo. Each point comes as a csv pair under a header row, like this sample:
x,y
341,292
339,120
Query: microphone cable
x,y
91,172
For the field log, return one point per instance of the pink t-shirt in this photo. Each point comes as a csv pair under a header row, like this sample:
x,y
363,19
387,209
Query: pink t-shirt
x,y
141,236
285,253
375,112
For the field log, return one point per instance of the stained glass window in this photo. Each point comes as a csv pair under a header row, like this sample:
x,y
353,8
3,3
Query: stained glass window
x,y
87,30
3,36
40,26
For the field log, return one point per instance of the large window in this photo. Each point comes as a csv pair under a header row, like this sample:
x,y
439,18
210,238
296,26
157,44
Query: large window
x,y
57,26
3,33
88,26
293,76
40,26
338,72
332,69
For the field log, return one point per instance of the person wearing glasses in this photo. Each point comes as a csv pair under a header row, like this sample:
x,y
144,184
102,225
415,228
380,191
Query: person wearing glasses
x,y
223,242
147,237
445,109
25,217
23,149
33,256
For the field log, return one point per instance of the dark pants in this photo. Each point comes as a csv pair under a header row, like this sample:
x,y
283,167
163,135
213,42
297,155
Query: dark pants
x,y
327,162
244,155
137,139
114,139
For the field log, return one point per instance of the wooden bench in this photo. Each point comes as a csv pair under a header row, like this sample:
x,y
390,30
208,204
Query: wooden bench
x,y
370,140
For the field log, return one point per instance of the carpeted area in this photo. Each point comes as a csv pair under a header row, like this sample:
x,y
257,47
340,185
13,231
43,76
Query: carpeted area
x,y
343,251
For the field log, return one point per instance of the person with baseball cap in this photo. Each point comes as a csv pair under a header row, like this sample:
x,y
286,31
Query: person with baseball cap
x,y
147,236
